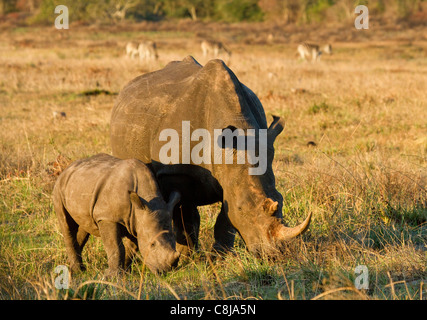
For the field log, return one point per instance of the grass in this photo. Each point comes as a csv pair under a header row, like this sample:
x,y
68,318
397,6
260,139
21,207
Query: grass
x,y
364,181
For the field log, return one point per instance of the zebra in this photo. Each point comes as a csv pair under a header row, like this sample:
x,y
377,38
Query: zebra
x,y
306,50
148,50
132,49
214,47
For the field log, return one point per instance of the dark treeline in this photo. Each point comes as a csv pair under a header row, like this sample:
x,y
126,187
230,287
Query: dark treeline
x,y
288,11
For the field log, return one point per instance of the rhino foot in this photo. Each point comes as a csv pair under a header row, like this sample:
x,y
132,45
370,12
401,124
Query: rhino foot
x,y
110,273
77,267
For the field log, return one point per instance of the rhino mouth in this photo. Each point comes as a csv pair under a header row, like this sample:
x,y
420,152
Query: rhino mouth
x,y
272,241
162,268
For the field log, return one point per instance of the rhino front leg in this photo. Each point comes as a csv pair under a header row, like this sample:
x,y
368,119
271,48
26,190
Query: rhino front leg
x,y
186,219
111,235
131,248
224,233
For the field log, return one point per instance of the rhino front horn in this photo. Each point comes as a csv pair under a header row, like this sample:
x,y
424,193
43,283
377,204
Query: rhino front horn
x,y
285,233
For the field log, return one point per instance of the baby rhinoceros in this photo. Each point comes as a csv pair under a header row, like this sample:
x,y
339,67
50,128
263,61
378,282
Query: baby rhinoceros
x,y
120,201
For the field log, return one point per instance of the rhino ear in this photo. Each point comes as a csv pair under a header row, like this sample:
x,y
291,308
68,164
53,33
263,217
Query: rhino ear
x,y
174,198
136,201
270,206
275,129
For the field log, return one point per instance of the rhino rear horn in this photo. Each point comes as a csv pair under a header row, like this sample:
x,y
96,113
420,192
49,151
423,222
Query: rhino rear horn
x,y
275,129
285,233
270,206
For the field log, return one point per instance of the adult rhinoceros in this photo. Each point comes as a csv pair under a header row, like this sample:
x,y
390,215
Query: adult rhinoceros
x,y
210,98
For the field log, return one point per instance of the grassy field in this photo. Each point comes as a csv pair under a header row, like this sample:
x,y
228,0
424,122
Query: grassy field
x,y
365,180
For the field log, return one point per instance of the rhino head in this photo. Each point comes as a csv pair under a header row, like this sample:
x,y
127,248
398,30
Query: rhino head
x,y
156,241
255,206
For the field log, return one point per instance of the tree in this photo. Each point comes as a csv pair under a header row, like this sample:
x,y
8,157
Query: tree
x,y
238,10
7,6
120,7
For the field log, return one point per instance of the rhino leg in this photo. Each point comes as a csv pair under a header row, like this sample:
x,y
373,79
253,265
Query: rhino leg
x,y
131,248
74,237
186,220
111,235
81,237
224,233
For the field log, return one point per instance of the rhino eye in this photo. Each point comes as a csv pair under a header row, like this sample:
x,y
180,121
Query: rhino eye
x,y
152,244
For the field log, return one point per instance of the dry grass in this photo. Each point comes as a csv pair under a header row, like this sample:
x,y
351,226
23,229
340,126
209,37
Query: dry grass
x,y
365,180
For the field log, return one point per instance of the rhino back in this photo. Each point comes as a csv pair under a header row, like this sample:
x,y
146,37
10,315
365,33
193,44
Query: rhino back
x,y
210,97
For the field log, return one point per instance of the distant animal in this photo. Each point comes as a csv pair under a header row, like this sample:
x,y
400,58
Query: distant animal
x,y
298,90
327,48
132,49
213,48
148,50
311,144
119,201
57,115
306,50
211,98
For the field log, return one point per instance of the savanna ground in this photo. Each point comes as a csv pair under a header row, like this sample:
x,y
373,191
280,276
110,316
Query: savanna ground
x,y
365,180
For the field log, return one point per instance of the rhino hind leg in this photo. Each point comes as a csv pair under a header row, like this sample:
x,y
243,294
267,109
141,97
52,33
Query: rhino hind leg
x,y
224,233
111,235
186,220
74,236
81,238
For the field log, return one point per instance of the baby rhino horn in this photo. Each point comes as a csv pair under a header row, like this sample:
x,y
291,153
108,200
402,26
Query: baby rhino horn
x,y
270,206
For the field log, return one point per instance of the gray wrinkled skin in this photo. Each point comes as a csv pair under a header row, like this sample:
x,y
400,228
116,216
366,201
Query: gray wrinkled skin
x,y
119,201
210,97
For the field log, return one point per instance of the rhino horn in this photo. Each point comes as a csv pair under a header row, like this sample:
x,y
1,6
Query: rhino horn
x,y
270,206
274,129
284,233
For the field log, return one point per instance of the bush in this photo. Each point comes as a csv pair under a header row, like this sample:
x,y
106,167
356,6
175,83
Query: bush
x,y
238,10
316,10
